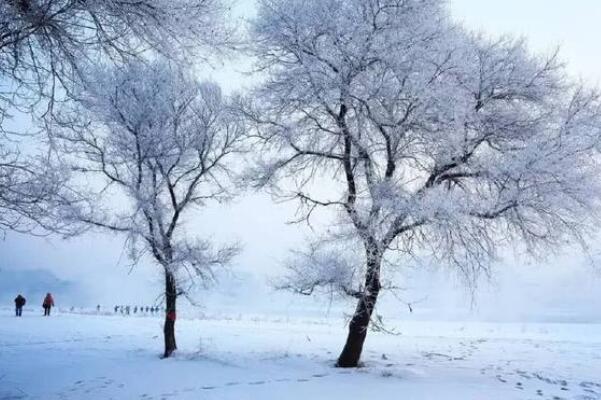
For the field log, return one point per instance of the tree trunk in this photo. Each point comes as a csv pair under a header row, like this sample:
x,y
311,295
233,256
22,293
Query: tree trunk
x,y
349,358
170,301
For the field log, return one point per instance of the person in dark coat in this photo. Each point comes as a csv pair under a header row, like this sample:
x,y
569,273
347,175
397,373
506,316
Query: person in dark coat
x,y
48,304
19,303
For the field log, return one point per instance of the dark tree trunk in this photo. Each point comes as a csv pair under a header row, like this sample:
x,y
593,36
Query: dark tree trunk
x,y
351,354
170,301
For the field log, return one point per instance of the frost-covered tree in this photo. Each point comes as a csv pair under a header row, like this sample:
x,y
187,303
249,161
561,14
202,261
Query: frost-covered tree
x,y
426,139
34,194
159,141
43,44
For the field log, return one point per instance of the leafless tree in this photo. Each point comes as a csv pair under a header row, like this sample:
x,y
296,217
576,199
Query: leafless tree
x,y
159,140
429,140
34,194
44,45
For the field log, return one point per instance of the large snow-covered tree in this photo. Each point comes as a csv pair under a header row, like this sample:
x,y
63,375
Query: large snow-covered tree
x,y
425,138
157,143
43,45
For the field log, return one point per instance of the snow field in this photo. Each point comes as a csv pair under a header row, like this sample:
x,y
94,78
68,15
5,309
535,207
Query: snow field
x,y
70,356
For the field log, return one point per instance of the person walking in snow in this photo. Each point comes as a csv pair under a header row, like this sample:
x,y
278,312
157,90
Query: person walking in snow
x,y
19,303
48,304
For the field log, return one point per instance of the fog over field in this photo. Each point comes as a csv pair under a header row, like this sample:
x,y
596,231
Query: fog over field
x,y
94,269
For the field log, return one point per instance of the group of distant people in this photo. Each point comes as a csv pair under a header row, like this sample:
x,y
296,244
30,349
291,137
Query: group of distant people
x,y
128,309
47,304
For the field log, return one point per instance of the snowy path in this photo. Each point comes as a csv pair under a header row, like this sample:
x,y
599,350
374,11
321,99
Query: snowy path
x,y
68,357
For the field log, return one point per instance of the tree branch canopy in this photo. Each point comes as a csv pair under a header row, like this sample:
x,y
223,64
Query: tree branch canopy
x,y
43,43
436,140
35,196
160,141
45,47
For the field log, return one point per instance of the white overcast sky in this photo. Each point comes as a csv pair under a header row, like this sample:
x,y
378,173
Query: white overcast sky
x,y
98,264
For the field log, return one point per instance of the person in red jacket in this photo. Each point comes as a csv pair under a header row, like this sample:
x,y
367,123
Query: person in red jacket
x,y
48,304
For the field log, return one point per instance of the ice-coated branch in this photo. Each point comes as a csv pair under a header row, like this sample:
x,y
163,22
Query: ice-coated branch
x,y
35,197
43,43
324,268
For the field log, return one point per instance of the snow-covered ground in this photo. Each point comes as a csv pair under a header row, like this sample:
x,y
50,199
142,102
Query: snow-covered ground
x,y
71,356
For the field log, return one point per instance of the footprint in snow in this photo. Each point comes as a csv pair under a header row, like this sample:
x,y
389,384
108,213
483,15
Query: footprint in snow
x,y
523,374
